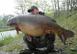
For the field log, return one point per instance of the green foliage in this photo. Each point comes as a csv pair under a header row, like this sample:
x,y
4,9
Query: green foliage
x,y
9,39
6,41
3,22
16,47
69,23
10,44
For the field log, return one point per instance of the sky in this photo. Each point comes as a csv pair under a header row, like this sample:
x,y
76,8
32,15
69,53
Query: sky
x,y
7,7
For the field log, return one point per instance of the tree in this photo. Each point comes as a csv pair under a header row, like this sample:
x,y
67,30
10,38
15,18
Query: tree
x,y
20,7
48,6
23,5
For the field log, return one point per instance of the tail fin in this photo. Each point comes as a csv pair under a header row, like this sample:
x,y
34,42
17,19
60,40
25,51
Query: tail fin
x,y
68,34
65,35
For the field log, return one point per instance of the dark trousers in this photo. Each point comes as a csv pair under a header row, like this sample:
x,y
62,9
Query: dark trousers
x,y
50,38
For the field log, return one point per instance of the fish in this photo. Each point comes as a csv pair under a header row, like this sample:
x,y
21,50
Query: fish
x,y
39,25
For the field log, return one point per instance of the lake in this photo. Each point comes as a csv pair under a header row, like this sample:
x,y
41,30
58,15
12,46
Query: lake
x,y
12,33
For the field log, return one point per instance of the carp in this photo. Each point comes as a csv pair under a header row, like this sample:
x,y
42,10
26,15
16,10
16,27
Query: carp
x,y
39,25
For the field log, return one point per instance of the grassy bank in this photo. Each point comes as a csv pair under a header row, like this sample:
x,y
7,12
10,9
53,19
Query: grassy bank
x,y
6,40
10,44
69,23
6,29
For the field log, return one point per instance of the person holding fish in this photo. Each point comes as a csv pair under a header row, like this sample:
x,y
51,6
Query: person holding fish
x,y
39,31
36,43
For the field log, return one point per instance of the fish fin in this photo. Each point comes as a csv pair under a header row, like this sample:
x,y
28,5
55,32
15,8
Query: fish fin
x,y
17,29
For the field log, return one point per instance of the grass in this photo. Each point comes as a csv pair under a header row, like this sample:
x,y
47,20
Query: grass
x,y
71,24
6,41
10,44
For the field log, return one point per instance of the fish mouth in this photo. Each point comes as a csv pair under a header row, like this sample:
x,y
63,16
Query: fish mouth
x,y
11,23
14,27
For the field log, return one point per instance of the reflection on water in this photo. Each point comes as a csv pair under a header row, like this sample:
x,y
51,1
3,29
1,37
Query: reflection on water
x,y
12,33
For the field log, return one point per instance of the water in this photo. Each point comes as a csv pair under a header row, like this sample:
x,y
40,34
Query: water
x,y
4,34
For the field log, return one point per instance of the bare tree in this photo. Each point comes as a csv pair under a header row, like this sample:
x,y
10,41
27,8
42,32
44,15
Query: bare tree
x,y
22,6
